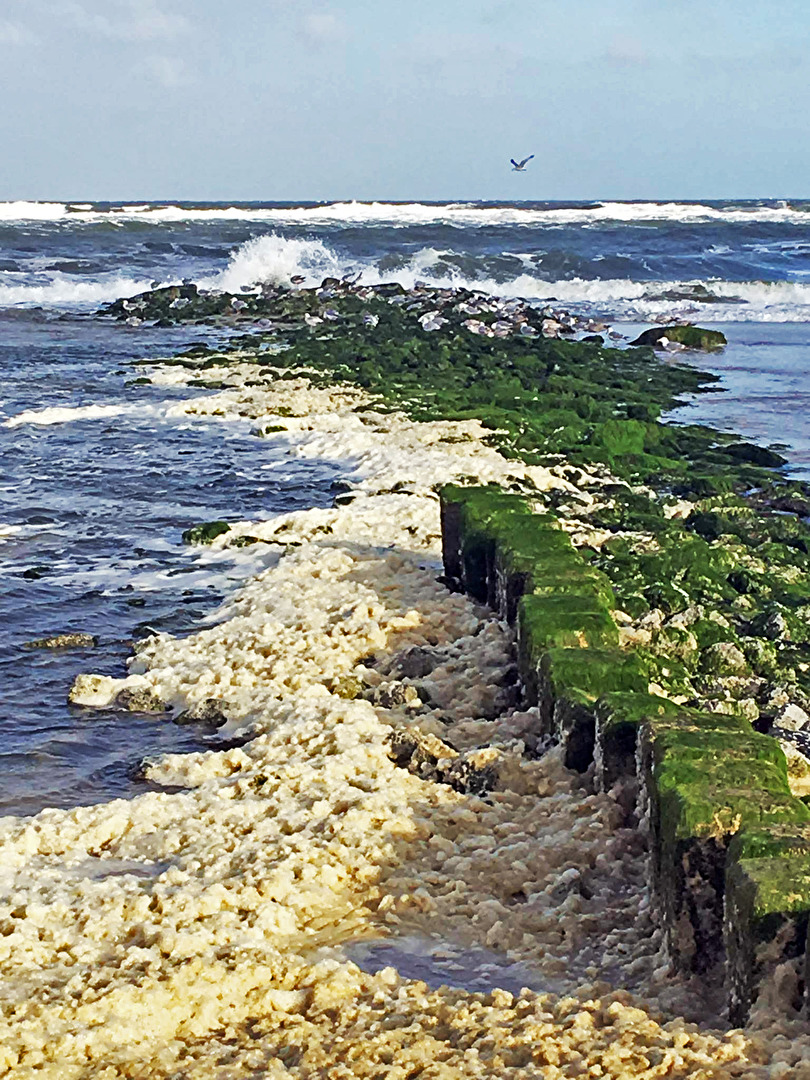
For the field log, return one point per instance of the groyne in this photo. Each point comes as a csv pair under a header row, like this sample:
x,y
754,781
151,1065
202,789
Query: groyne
x,y
520,699
729,843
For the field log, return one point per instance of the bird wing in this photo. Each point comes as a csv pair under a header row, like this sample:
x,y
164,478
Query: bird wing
x,y
514,163
529,158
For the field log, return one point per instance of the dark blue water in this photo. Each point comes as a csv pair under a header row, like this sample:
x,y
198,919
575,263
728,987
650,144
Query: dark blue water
x,y
91,509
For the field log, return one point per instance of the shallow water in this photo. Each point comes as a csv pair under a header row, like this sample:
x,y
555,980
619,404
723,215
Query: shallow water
x,y
91,512
764,388
438,962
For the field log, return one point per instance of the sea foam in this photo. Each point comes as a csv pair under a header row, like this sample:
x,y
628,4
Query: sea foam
x,y
463,214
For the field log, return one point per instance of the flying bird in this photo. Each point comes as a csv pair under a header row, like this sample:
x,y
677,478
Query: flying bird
x,y
521,165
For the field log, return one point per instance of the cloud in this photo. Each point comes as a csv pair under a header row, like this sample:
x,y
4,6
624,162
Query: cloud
x,y
170,72
126,20
14,33
322,27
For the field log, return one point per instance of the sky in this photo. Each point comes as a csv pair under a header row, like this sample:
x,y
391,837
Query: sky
x,y
404,99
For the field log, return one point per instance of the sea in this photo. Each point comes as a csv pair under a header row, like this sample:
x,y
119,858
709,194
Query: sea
x,y
99,476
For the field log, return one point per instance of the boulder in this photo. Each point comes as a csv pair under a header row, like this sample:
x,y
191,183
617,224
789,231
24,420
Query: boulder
x,y
64,641
205,532
691,337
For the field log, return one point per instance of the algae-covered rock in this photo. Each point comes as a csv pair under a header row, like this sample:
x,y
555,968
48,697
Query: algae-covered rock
x,y
619,717
64,641
569,682
723,659
206,532
348,687
691,337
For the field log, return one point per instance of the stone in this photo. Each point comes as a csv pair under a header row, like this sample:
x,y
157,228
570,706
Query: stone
x,y
415,663
96,691
771,625
723,658
474,772
210,711
792,718
692,337
394,694
64,641
140,700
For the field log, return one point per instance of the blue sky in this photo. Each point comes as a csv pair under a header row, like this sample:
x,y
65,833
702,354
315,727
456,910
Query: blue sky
x,y
418,99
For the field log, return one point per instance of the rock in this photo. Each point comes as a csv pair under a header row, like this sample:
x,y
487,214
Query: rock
x,y
771,625
96,691
395,694
751,454
244,541
64,641
691,337
206,532
348,687
792,718
34,573
415,663
723,658
794,743
427,757
210,711
140,700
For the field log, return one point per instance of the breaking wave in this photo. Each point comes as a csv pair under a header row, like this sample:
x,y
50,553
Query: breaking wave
x,y
276,259
460,214
65,291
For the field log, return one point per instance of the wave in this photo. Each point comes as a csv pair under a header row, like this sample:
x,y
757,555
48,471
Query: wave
x,y
62,291
547,276
278,260
404,214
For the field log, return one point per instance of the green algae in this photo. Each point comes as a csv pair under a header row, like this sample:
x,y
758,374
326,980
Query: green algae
x,y
206,532
767,899
692,337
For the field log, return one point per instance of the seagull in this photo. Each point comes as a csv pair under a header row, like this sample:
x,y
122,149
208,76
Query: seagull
x,y
521,165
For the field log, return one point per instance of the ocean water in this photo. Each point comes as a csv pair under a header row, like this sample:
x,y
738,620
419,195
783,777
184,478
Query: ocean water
x,y
99,479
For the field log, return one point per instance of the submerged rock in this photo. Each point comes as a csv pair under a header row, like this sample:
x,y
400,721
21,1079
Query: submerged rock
x,y
691,337
140,700
64,641
206,532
